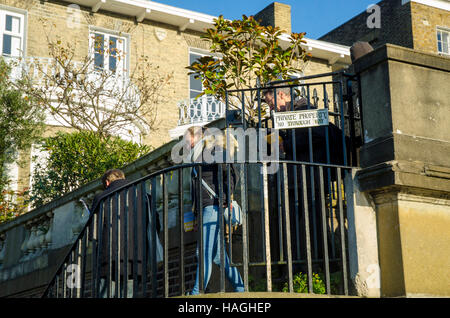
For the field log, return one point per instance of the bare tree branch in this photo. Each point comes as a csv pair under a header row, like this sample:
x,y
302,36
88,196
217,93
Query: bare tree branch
x,y
86,96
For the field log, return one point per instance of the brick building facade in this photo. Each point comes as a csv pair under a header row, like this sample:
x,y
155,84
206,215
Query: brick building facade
x,y
415,24
169,36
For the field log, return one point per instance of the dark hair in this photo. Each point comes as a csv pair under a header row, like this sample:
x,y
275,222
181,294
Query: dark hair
x,y
112,175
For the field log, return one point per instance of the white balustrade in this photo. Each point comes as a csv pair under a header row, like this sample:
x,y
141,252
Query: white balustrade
x,y
200,110
40,237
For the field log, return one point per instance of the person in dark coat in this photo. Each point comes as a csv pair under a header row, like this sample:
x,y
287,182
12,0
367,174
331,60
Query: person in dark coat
x,y
323,145
302,144
210,206
112,181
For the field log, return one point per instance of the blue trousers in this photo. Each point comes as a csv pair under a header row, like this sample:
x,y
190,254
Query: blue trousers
x,y
211,249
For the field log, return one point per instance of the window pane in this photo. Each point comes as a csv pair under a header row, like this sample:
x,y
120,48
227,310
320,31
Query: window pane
x,y
193,57
440,46
15,46
16,25
99,61
445,36
99,51
439,36
12,24
195,84
7,44
112,53
194,94
11,45
8,26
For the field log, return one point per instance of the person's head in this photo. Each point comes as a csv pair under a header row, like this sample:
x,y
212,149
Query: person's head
x,y
283,98
193,135
111,176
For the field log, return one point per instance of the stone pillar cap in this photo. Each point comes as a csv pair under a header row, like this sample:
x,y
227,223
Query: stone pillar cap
x,y
360,49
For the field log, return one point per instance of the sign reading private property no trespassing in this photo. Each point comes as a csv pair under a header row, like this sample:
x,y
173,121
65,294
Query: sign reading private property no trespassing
x,y
300,119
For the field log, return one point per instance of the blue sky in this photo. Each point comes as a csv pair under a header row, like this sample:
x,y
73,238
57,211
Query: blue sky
x,y
315,17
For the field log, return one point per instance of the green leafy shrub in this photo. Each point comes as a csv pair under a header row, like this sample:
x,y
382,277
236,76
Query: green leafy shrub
x,y
77,158
246,52
12,203
21,121
257,285
300,282
336,283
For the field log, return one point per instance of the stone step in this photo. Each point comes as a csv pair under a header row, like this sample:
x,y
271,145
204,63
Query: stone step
x,y
265,295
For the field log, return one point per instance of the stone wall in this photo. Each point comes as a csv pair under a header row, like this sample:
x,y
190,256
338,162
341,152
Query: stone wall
x,y
405,167
364,265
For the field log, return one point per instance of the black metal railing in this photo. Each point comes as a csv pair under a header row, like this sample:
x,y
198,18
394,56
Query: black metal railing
x,y
287,227
293,217
337,92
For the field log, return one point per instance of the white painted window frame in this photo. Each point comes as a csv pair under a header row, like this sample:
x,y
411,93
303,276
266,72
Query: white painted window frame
x,y
202,53
22,34
440,29
123,65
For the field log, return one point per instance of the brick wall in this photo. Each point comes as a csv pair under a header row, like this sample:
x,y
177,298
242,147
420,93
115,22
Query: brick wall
x,y
395,27
276,14
425,21
412,25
